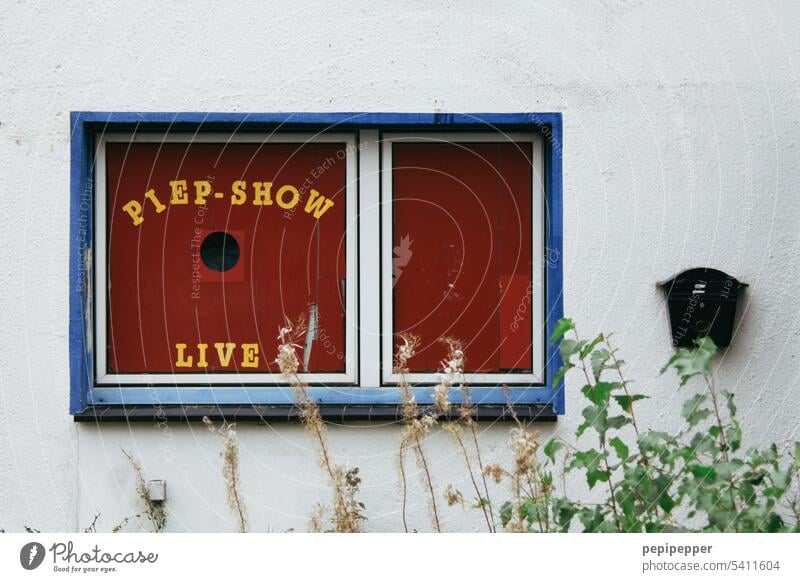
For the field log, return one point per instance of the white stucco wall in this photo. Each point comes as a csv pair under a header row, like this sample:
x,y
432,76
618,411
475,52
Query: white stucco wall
x,y
682,126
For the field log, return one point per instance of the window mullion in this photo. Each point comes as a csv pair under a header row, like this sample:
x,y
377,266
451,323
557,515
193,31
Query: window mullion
x,y
369,257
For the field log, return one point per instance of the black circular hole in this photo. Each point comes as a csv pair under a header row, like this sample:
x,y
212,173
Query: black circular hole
x,y
219,251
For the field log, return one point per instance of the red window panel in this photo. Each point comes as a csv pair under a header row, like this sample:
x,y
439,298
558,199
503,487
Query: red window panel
x,y
161,291
462,219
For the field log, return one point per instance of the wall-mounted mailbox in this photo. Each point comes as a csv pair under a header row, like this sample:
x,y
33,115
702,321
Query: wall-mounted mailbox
x,y
701,302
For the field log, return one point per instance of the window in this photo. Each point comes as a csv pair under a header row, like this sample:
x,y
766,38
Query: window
x,y
196,236
463,217
176,208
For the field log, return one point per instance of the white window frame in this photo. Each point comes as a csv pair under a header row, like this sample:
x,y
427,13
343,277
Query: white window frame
x,y
232,379
537,299
369,349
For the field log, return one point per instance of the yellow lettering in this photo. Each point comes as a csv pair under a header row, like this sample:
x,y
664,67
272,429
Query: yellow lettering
x,y
249,355
317,204
151,196
224,356
239,195
134,210
287,197
180,194
202,190
201,356
262,195
295,197
183,360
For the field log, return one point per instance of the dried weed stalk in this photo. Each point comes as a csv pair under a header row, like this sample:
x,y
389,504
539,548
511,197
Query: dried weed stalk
x,y
230,468
452,374
417,426
347,511
531,491
92,527
154,511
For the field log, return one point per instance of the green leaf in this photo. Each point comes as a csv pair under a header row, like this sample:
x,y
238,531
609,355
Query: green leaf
x,y
532,511
781,479
797,454
598,360
774,523
626,402
692,411
597,418
594,521
570,347
480,502
588,348
592,477
704,444
689,363
551,448
729,401
620,448
562,327
562,371
654,441
600,392
590,460
505,513
564,511
733,434
726,470
684,453
705,472
665,500
747,492
617,422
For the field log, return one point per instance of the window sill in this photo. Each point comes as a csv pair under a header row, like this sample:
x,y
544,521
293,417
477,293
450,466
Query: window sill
x,y
265,413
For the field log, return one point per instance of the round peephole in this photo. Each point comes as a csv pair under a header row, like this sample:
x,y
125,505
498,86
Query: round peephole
x,y
219,251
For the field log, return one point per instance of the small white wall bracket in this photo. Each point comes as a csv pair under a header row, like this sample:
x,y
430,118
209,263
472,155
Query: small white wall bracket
x,y
157,490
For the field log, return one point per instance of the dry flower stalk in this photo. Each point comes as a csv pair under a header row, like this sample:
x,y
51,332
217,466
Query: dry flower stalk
x,y
451,373
416,428
154,511
230,468
453,496
496,472
347,512
525,475
318,519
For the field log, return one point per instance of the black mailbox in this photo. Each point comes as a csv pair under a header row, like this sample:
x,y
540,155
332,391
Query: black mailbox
x,y
701,302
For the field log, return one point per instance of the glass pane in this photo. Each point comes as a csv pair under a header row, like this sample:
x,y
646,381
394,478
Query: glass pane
x,y
462,251
220,256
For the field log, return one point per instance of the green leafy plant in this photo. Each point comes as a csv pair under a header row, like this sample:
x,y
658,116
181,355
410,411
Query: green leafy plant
x,y
696,479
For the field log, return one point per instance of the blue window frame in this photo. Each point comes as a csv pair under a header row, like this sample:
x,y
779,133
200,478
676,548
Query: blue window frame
x,y
91,400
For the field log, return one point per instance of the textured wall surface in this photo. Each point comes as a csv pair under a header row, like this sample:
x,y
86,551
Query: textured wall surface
x,y
682,126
